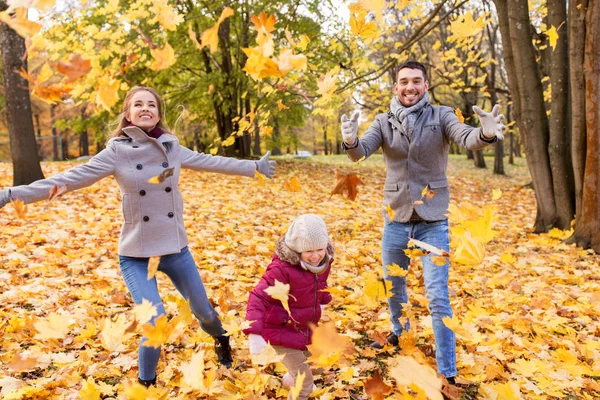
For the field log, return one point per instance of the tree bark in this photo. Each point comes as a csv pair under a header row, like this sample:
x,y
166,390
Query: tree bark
x,y
588,226
577,33
23,148
559,148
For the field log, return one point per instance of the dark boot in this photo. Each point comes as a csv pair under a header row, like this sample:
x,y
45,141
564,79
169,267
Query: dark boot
x,y
223,350
392,339
147,383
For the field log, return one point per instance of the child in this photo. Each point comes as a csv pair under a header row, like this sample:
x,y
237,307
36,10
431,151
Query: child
x,y
303,260
140,149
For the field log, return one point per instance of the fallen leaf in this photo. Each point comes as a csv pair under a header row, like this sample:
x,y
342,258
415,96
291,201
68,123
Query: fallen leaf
x,y
153,264
293,185
408,371
376,388
145,311
19,364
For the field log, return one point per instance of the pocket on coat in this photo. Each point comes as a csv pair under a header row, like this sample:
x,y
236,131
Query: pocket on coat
x,y
127,214
277,316
390,187
442,183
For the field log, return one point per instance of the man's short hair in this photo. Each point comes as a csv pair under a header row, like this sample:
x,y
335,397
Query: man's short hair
x,y
412,65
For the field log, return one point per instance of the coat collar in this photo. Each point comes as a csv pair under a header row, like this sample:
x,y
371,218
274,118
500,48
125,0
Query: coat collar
x,y
139,135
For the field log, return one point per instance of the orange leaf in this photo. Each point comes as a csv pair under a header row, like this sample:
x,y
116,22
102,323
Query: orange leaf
x,y
459,115
19,364
20,207
293,185
376,388
347,184
153,263
75,68
56,192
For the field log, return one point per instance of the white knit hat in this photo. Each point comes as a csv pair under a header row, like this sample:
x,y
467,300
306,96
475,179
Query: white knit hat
x,y
308,232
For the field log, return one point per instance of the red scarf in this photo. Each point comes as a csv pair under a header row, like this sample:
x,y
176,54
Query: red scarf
x,y
155,133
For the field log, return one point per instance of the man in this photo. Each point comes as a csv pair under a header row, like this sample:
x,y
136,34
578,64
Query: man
x,y
415,138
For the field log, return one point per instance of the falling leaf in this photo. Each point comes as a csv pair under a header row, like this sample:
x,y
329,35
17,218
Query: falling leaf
x,y
193,371
282,106
20,23
297,388
20,208
107,94
194,38
153,264
267,356
280,291
390,211
496,194
163,58
464,26
167,172
210,37
414,253
360,26
55,326
56,192
376,289
258,66
459,115
326,84
469,251
418,202
260,177
375,6
376,388
347,184
326,340
396,270
427,247
145,311
439,261
75,68
158,334
408,371
166,15
293,185
288,61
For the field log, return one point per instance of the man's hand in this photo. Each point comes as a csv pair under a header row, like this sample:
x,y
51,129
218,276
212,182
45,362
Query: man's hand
x,y
256,343
266,167
491,123
4,197
350,128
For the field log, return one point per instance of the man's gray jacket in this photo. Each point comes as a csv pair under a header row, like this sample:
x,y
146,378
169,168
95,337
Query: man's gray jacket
x,y
412,164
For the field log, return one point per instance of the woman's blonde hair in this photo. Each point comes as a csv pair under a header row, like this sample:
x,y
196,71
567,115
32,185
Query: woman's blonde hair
x,y
122,121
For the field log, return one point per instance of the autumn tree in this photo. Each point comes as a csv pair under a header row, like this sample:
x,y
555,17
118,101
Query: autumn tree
x,y
23,148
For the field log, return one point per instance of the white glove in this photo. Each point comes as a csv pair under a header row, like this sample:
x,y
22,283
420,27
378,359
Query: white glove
x,y
322,307
491,123
4,197
350,128
256,343
266,167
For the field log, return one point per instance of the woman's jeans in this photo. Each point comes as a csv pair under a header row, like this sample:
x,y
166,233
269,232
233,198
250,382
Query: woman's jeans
x,y
182,271
395,239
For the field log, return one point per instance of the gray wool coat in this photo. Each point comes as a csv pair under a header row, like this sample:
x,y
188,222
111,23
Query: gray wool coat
x,y
153,213
412,164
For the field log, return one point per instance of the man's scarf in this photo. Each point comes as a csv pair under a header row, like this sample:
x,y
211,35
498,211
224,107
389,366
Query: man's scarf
x,y
407,116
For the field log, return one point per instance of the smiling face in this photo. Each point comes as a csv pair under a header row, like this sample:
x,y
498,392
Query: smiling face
x,y
143,110
313,257
411,86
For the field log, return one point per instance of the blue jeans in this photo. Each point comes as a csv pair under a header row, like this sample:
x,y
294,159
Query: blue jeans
x,y
181,269
395,239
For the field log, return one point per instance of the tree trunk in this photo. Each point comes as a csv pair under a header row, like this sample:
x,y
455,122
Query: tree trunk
x,y
325,139
531,114
257,150
23,148
559,148
588,226
54,134
470,155
276,151
84,143
478,160
577,33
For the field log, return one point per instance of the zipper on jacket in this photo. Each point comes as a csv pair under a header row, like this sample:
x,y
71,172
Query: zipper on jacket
x,y
316,305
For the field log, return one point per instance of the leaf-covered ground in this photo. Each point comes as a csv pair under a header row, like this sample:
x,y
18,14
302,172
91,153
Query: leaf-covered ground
x,y
527,316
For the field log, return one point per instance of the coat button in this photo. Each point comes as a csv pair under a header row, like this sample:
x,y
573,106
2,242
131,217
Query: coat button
x,y
165,164
168,189
142,192
139,166
146,218
171,215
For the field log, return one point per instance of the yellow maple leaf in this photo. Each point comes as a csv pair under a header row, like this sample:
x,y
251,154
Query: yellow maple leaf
x,y
55,326
507,258
145,311
481,228
469,250
396,270
293,185
439,260
260,177
267,356
390,211
193,371
375,6
19,22
167,16
303,42
357,8
194,38
465,26
158,334
153,264
408,371
20,208
281,106
452,323
295,390
496,194
414,253
232,326
114,333
376,289
360,26
258,66
107,93
459,115
163,58
552,34
287,61
89,391
326,342
326,84
210,37
280,291
135,391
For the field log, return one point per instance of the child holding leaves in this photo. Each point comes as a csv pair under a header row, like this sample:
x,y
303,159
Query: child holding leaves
x,y
302,260
146,161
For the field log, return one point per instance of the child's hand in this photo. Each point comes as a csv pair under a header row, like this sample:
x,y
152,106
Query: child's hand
x,y
256,343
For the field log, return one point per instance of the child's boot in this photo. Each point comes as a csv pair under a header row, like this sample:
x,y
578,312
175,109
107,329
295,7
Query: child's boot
x,y
223,350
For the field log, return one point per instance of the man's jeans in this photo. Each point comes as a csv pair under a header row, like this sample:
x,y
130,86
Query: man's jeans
x,y
395,239
182,271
